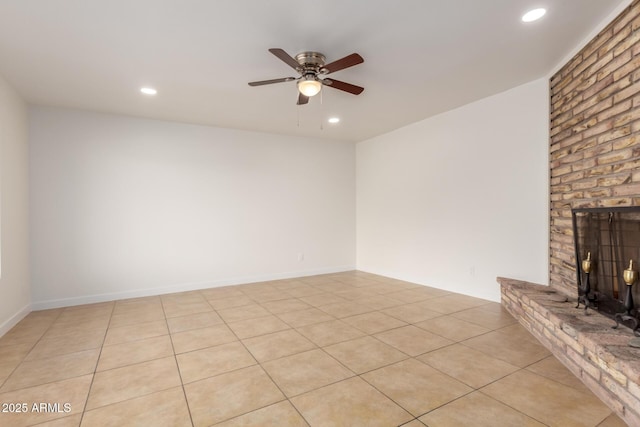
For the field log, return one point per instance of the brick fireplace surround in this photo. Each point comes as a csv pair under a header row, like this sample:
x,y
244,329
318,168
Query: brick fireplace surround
x,y
594,162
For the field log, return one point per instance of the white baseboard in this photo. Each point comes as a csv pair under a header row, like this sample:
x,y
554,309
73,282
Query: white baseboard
x,y
13,320
183,287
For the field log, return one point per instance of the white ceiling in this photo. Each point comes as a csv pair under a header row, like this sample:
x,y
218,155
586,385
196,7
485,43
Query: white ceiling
x,y
422,57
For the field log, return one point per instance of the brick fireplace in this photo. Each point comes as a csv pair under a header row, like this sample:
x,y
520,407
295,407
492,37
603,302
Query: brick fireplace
x,y
594,163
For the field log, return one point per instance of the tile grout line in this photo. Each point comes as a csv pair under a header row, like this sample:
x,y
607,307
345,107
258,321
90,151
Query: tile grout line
x,y
175,359
93,376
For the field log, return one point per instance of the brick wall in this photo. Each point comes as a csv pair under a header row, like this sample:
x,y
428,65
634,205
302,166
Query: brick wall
x,y
595,135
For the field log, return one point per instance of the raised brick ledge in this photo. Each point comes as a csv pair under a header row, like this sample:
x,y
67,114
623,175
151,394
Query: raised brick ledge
x,y
585,344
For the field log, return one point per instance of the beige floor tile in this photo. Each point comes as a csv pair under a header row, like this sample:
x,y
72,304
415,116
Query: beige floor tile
x,y
137,303
118,355
412,340
414,423
421,293
285,305
304,291
272,294
72,391
301,318
452,328
470,366
415,386
515,350
135,317
306,371
6,369
365,354
492,316
196,339
518,331
331,332
221,293
36,321
244,312
357,293
379,302
31,328
411,313
183,308
65,344
322,299
19,335
249,288
281,414
374,322
613,421
349,403
559,401
85,313
551,368
341,310
323,281
72,421
193,321
478,410
181,297
52,369
211,361
229,395
136,332
452,303
166,408
259,326
385,289
409,296
230,301
60,329
287,284
14,353
279,344
120,384
138,306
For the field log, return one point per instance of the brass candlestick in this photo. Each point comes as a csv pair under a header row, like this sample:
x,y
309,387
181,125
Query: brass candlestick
x,y
630,276
583,291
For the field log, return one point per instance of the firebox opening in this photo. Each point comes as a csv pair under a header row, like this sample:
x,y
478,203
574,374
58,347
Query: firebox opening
x,y
610,237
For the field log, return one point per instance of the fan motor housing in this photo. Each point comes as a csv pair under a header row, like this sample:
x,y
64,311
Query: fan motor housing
x,y
310,59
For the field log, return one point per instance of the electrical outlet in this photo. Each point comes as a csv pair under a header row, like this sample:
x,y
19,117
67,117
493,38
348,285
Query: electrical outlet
x,y
300,257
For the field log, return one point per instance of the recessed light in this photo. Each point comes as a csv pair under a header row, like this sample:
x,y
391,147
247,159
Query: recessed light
x,y
334,120
148,91
533,15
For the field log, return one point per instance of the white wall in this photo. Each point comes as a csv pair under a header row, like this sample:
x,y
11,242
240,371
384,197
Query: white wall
x,y
125,207
457,199
15,293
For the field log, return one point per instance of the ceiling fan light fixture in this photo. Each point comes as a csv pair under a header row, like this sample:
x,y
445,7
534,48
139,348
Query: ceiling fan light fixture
x,y
309,86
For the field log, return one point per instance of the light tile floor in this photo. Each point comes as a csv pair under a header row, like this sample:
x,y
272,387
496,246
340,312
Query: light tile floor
x,y
345,349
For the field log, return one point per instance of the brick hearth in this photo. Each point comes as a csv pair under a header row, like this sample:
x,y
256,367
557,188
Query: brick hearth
x,y
585,344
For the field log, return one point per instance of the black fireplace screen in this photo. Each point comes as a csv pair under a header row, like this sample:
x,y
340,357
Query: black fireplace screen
x,y
612,238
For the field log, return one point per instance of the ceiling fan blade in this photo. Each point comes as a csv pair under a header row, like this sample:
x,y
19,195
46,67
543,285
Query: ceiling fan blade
x,y
302,99
346,62
268,82
347,87
285,57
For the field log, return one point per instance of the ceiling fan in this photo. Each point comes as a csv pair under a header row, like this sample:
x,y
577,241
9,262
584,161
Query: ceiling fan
x,y
312,70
